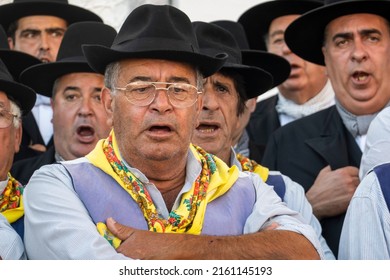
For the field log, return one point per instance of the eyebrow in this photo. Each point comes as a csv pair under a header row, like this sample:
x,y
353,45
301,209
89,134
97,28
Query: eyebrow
x,y
173,79
276,32
363,32
48,30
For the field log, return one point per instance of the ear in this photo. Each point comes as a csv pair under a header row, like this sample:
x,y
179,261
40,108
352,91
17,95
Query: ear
x,y
11,43
251,104
108,103
18,137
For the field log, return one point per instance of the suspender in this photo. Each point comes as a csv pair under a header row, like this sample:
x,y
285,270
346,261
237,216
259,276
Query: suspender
x,y
278,183
383,173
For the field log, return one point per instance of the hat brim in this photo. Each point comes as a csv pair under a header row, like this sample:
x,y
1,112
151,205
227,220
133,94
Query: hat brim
x,y
274,64
257,81
256,20
310,27
17,61
42,77
99,57
22,95
71,13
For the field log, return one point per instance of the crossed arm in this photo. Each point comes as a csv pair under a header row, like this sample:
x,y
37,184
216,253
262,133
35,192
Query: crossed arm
x,y
266,244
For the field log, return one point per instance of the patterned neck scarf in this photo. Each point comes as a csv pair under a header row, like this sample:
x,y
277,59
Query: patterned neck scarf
x,y
252,166
11,200
214,180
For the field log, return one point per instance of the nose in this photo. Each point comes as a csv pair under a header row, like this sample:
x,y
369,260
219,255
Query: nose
x,y
210,101
359,52
44,41
285,49
85,107
161,101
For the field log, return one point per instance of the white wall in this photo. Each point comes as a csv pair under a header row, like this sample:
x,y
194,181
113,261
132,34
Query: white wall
x,y
210,10
114,12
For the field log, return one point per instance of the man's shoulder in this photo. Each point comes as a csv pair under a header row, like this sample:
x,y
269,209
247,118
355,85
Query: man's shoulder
x,y
266,105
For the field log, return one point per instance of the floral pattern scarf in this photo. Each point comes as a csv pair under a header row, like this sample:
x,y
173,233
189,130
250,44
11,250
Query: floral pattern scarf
x,y
215,179
11,200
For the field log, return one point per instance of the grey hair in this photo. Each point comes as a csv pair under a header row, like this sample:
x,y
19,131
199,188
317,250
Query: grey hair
x,y
112,73
15,110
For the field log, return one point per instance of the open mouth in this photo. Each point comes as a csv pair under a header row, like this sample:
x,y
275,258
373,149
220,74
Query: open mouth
x,y
207,128
360,76
160,128
85,133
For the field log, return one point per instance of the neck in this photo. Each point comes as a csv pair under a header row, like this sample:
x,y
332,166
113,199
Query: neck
x,y
301,96
165,174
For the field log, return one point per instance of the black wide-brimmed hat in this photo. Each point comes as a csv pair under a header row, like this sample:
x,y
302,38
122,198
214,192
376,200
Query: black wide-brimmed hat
x,y
70,58
156,32
257,20
59,8
22,95
15,61
214,39
274,64
308,44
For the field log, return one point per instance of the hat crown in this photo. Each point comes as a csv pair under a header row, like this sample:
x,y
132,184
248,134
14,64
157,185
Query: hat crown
x,y
31,1
81,33
156,27
4,73
237,30
214,40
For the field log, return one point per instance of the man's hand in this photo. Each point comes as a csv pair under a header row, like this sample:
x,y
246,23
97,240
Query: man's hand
x,y
332,191
143,244
38,147
266,245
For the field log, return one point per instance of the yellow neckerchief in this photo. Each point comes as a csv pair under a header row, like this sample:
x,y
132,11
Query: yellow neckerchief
x,y
215,179
252,166
11,200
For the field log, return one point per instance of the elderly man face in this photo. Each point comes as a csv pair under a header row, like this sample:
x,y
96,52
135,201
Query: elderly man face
x,y
10,135
79,118
39,36
219,117
158,131
356,52
306,79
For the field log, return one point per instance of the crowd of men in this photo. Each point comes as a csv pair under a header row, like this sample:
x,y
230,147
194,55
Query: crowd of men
x,y
123,144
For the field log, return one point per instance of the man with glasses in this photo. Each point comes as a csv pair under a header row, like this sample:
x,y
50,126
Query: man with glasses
x,y
15,100
147,176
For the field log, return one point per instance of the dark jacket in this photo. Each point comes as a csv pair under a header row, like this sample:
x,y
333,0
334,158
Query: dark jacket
x,y
31,135
263,122
22,170
302,148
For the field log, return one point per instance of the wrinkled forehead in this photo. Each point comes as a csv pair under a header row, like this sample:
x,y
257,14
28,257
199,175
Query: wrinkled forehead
x,y
357,23
41,22
156,70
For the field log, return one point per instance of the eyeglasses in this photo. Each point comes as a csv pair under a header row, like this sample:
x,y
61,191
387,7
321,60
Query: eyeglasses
x,y
180,95
6,118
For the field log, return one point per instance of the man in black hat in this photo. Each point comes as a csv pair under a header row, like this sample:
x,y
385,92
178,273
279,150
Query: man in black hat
x,y
307,89
147,176
79,118
36,27
15,100
352,39
225,97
